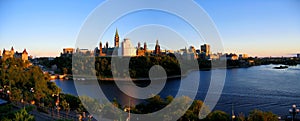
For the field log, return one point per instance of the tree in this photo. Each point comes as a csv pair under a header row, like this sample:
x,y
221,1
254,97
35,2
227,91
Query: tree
x,y
258,115
65,71
65,105
22,115
193,112
240,117
218,116
25,82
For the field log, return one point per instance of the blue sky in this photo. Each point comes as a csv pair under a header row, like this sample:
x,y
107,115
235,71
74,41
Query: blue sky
x,y
256,27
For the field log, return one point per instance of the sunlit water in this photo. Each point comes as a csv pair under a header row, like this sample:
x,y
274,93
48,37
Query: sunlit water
x,y
259,87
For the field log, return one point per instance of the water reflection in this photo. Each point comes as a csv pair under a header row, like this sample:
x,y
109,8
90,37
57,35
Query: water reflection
x,y
260,87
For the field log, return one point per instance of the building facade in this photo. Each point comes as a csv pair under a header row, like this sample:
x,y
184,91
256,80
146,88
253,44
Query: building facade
x,y
141,51
12,54
106,50
23,55
205,49
127,49
243,56
68,50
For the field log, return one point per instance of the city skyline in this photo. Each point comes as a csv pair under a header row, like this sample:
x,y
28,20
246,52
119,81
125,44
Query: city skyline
x,y
258,28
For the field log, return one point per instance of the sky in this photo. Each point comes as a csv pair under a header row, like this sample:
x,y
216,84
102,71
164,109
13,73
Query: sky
x,y
256,27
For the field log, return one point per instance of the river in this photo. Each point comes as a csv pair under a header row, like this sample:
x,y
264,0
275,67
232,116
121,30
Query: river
x,y
257,87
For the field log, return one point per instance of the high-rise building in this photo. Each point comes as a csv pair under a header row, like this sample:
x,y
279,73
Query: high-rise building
x,y
205,49
117,38
298,55
127,48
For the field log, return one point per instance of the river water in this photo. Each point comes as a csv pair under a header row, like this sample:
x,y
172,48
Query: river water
x,y
258,87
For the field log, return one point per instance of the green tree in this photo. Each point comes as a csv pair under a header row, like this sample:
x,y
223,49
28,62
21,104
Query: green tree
x,y
258,115
240,117
65,105
22,115
91,104
193,112
65,70
218,116
25,82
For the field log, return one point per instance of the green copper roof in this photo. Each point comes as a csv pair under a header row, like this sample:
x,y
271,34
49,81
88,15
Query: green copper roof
x,y
117,34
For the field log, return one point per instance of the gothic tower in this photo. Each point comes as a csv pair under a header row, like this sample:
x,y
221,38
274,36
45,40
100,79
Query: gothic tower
x,y
100,48
106,48
117,38
12,50
145,47
157,48
139,45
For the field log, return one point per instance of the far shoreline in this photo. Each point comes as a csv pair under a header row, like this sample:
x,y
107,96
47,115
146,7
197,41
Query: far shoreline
x,y
169,78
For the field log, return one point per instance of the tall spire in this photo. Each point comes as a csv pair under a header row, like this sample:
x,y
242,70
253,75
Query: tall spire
x,y
117,38
117,34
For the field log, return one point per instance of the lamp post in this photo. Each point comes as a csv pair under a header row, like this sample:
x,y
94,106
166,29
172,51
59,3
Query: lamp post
x,y
68,109
32,91
294,111
128,109
232,113
1,92
22,101
8,94
57,103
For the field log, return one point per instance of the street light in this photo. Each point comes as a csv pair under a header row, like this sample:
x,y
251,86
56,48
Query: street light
x,y
127,109
294,111
32,91
57,103
68,109
233,117
232,113
8,94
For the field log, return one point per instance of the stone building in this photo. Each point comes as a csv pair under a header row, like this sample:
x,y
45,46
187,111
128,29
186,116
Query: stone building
x,y
12,54
157,48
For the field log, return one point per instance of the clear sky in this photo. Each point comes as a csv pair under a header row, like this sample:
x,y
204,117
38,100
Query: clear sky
x,y
256,27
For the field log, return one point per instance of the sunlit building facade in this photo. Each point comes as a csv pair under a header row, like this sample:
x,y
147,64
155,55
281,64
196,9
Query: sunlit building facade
x,y
205,49
12,54
127,49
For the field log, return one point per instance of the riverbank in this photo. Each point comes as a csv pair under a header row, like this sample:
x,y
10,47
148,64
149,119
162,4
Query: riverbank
x,y
247,88
173,77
